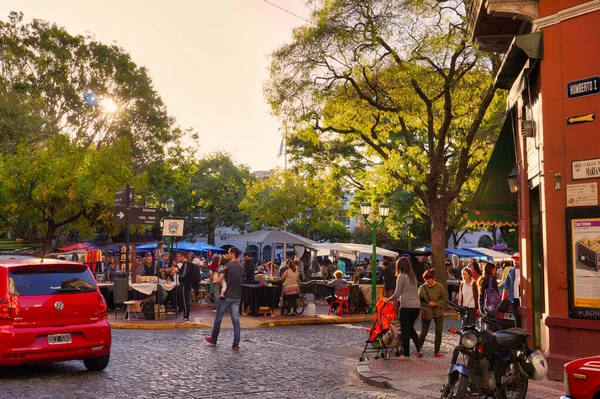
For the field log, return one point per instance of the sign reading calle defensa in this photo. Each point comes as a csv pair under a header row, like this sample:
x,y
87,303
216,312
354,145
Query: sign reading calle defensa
x,y
583,87
586,169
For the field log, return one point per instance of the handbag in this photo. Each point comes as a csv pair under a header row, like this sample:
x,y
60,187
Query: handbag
x,y
426,311
290,290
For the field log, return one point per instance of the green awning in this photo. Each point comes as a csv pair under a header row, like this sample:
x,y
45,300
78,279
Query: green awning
x,y
493,203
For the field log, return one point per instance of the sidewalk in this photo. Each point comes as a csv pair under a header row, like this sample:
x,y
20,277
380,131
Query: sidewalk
x,y
204,318
425,377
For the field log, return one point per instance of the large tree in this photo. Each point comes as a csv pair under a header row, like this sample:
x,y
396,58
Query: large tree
x,y
393,93
284,198
62,187
91,92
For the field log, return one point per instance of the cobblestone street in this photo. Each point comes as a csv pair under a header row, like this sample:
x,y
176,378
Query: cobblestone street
x,y
287,362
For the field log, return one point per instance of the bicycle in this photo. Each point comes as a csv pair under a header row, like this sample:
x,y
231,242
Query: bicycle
x,y
300,304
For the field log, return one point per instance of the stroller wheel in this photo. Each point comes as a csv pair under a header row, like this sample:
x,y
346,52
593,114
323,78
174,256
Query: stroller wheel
x,y
376,357
362,359
386,356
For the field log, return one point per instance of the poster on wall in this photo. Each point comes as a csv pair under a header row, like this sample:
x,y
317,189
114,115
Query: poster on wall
x,y
583,249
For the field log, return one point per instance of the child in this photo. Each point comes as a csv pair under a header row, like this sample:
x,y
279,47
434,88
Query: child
x,y
223,282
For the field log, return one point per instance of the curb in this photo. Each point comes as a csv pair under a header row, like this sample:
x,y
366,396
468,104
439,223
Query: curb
x,y
266,324
366,375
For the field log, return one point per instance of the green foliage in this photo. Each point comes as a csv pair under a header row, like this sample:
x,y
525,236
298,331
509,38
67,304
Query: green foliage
x,y
49,72
393,96
285,196
62,187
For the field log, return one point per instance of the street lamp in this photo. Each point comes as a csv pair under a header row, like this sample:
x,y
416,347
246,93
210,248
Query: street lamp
x,y
513,183
307,216
384,210
170,206
409,221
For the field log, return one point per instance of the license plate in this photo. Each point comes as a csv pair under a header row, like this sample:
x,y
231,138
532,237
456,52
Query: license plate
x,y
59,339
509,316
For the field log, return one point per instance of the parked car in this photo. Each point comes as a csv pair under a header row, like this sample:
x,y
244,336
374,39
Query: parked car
x,y
582,378
51,310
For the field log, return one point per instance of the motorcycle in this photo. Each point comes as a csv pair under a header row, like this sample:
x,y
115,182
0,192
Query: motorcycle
x,y
494,365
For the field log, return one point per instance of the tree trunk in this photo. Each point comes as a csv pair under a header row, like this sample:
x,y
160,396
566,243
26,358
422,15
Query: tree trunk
x,y
49,237
211,236
438,242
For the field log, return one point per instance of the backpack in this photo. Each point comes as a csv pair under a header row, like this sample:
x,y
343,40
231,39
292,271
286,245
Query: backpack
x,y
492,300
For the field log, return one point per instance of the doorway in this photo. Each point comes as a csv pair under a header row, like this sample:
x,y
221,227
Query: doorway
x,y
537,265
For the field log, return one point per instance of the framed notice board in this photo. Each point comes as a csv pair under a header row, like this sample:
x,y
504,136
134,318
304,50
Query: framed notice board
x,y
583,261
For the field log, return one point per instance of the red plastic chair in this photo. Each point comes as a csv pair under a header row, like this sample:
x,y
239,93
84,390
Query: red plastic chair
x,y
342,300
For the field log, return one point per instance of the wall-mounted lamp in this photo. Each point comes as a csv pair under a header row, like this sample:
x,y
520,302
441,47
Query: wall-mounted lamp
x,y
513,184
557,181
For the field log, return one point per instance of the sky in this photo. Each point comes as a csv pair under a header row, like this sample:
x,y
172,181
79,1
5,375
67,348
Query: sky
x,y
208,60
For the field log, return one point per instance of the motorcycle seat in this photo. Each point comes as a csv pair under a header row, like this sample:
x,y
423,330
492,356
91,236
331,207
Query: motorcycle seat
x,y
510,339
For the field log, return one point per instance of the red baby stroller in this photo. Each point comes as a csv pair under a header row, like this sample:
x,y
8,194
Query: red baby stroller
x,y
385,335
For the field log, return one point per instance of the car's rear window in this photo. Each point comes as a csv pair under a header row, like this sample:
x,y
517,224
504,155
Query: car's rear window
x,y
28,282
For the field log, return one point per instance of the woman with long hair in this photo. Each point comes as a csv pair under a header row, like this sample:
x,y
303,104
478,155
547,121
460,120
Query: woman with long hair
x,y
407,291
290,288
488,279
433,298
468,295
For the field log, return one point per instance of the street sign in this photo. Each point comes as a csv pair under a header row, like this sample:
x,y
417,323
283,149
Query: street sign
x,y
583,87
122,194
136,216
573,120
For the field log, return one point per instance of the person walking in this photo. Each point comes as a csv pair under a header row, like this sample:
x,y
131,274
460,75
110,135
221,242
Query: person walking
x,y
512,283
489,300
406,290
290,288
433,298
233,273
468,296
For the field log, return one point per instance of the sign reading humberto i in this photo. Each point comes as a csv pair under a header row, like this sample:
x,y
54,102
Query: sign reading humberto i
x,y
583,87
136,216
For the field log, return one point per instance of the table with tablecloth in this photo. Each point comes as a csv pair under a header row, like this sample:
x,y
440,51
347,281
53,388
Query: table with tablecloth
x,y
316,287
255,296
149,288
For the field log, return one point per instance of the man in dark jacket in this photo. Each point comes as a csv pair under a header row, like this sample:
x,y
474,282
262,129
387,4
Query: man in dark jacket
x,y
184,271
249,266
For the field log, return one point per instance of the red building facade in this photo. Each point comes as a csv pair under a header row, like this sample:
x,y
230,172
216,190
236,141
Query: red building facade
x,y
552,71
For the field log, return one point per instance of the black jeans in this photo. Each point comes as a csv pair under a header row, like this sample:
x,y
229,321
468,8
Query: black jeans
x,y
439,327
471,312
515,309
408,316
186,288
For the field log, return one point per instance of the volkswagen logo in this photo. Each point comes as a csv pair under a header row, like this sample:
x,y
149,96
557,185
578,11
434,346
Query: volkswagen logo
x,y
59,305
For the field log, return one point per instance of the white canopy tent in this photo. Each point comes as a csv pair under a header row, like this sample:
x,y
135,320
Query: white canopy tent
x,y
497,256
368,249
326,249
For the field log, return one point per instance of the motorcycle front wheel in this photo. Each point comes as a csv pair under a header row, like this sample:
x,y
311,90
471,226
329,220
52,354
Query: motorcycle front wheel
x,y
517,389
456,388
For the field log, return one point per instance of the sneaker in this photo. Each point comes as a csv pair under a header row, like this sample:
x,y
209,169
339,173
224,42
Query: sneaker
x,y
221,296
402,357
235,347
439,355
214,310
210,341
419,354
184,321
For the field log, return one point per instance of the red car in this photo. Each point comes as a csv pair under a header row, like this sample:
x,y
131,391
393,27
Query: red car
x,y
582,378
51,310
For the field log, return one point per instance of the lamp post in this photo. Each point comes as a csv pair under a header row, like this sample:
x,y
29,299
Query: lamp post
x,y
169,205
409,221
384,210
307,216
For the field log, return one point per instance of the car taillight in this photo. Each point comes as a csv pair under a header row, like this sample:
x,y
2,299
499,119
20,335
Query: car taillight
x,y
102,308
5,309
